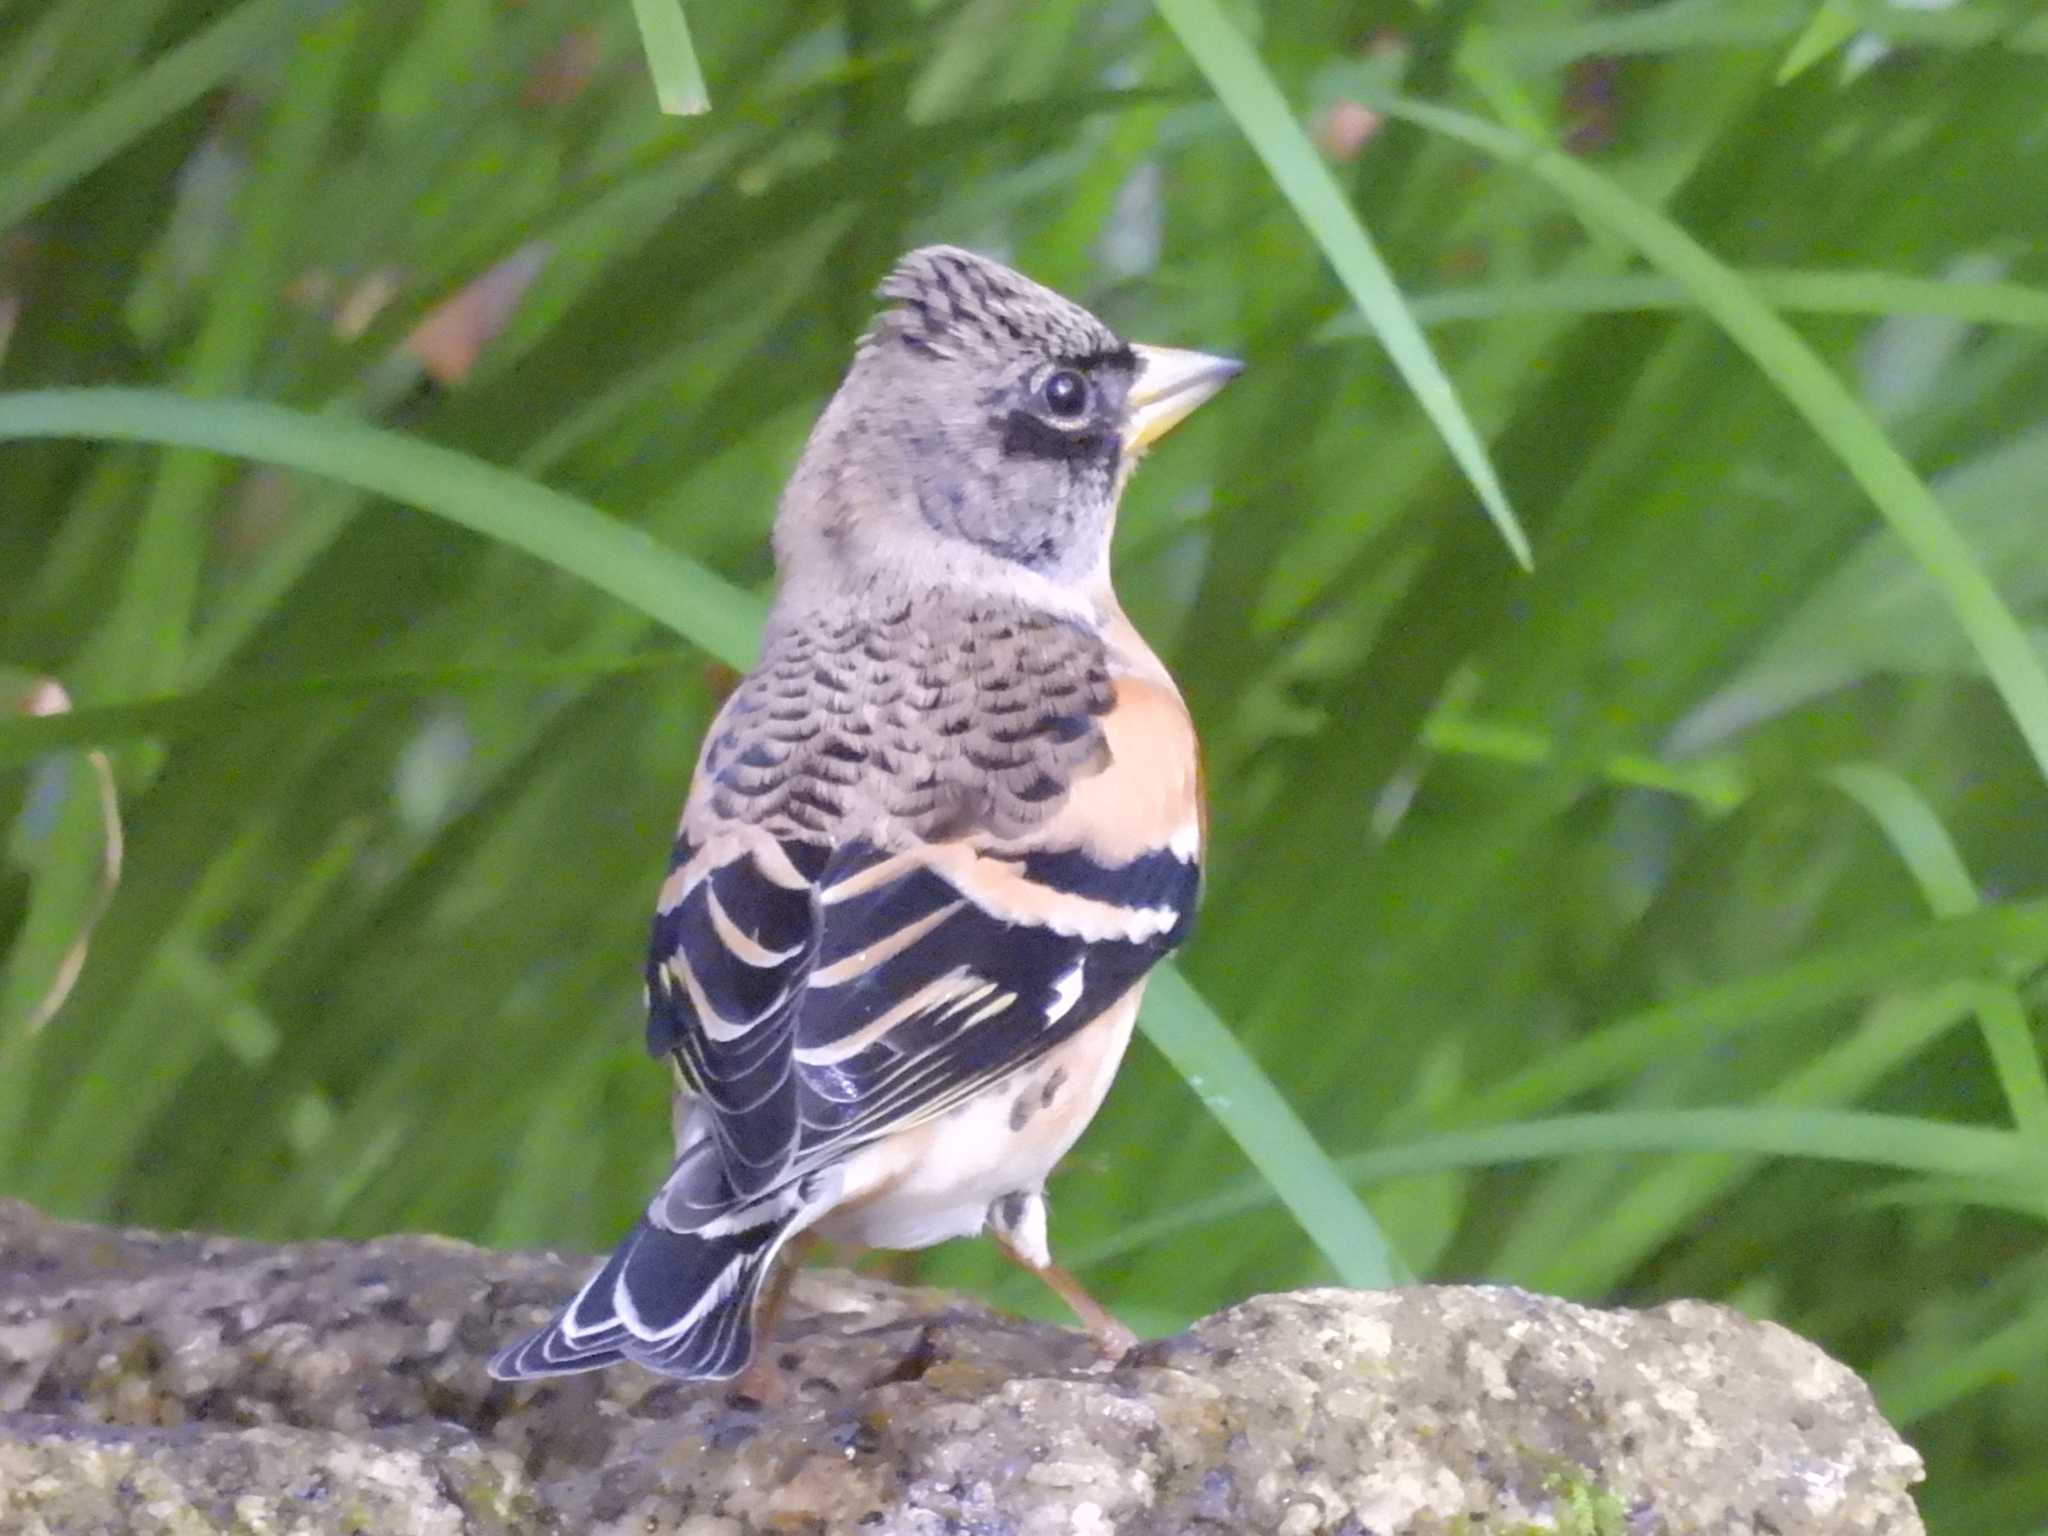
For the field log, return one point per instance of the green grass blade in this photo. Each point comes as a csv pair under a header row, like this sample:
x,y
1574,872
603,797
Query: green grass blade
x,y
1677,26
1915,1384
1243,1099
237,699
1902,1143
144,643
1807,384
1874,294
569,534
1637,1216
124,115
68,880
1715,784
1986,941
1249,94
1833,25
1930,855
671,57
1685,26
1907,1143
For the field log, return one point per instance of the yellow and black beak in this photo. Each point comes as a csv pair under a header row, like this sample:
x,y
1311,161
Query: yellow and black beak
x,y
1171,383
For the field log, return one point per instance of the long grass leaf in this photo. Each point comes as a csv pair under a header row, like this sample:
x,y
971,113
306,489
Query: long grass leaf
x,y
671,57
1249,94
1806,383
234,699
1917,1383
125,114
1875,294
569,534
1640,1214
143,644
1998,937
1833,25
1902,1143
1923,845
1243,1099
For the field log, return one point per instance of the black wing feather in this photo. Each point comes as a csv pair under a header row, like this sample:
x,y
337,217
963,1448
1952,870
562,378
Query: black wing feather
x,y
786,1080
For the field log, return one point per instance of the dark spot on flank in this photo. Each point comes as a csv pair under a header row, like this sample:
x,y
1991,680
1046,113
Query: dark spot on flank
x,y
1020,1115
1052,1087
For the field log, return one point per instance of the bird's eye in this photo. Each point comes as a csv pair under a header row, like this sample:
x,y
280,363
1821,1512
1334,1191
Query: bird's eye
x,y
1065,393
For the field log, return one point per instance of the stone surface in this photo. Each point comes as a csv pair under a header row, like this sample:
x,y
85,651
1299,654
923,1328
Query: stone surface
x,y
199,1385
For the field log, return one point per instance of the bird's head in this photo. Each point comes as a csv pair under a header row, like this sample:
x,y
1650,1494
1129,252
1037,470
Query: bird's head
x,y
983,434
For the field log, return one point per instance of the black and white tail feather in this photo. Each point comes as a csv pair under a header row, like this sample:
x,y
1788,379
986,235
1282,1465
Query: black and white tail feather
x,y
679,1302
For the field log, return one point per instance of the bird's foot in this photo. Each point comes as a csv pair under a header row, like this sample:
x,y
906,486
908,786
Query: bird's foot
x,y
1111,1337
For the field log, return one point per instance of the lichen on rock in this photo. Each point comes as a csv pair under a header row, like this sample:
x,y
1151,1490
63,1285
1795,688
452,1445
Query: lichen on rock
x,y
169,1383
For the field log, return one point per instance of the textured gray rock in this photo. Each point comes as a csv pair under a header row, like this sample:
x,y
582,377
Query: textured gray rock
x,y
200,1385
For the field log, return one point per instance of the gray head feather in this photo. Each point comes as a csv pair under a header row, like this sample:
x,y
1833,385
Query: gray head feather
x,y
959,304
983,414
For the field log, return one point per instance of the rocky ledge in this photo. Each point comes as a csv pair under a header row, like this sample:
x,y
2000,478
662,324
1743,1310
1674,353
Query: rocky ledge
x,y
168,1383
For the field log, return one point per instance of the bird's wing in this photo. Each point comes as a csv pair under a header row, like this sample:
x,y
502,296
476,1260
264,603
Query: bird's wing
x,y
736,932
823,996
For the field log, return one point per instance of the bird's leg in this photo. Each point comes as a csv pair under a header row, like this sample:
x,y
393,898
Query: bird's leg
x,y
1112,1337
763,1380
1017,1223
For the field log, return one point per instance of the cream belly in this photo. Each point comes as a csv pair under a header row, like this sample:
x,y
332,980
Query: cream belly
x,y
938,1180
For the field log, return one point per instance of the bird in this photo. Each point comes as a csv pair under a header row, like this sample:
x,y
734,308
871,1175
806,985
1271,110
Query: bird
x,y
936,837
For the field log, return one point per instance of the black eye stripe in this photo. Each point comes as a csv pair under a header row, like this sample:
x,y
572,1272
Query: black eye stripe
x,y
1026,435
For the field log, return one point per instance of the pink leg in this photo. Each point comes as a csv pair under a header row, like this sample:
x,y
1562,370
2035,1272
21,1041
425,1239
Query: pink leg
x,y
1110,1335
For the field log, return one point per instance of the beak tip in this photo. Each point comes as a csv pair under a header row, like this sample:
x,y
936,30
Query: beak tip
x,y
1171,383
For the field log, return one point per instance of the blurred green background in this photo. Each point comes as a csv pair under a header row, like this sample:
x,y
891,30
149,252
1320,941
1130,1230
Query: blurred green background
x,y
1670,921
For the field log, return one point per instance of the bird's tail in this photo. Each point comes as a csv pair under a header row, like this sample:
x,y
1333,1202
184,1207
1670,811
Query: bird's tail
x,y
681,1303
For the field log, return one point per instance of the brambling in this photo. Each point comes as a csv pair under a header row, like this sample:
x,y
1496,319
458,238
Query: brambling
x,y
936,837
